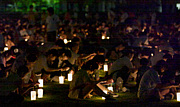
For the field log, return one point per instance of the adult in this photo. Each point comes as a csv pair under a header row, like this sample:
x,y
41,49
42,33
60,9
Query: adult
x,y
31,15
52,22
9,84
150,87
122,67
82,84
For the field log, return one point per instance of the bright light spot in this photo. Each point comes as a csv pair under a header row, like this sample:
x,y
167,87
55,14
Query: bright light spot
x,y
178,6
178,96
65,41
152,54
110,88
105,91
103,98
103,37
5,48
16,50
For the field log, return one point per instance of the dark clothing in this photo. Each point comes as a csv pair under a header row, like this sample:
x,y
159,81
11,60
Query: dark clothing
x,y
51,36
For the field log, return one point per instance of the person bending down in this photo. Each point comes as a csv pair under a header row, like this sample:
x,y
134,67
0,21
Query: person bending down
x,y
151,87
82,84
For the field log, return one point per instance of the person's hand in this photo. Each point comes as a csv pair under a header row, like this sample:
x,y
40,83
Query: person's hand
x,y
93,54
64,69
36,84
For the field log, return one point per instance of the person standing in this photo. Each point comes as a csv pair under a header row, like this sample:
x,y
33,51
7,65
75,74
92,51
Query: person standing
x,y
52,22
31,15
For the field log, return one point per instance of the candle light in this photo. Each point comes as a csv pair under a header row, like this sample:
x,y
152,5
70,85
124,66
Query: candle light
x,y
110,88
103,98
33,95
105,67
5,48
26,39
105,91
178,96
103,37
40,82
69,77
108,37
40,93
61,79
65,41
152,54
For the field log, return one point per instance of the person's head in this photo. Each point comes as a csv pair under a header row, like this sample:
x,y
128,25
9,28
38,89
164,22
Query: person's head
x,y
76,40
74,47
100,51
31,7
90,66
31,59
22,71
120,46
52,54
60,43
144,62
160,66
99,59
167,57
50,11
64,54
129,53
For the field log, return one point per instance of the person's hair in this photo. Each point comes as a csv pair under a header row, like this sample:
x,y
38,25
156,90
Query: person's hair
x,y
167,56
99,59
71,45
22,70
76,39
90,65
64,51
54,52
60,43
31,6
160,64
127,51
101,50
68,53
31,57
50,10
144,62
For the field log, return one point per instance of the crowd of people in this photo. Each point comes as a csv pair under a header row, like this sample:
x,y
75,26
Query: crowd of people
x,y
136,48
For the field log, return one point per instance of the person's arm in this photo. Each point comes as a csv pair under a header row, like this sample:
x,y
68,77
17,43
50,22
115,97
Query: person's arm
x,y
166,86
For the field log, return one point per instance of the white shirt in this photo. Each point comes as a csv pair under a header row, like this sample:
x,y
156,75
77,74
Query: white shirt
x,y
119,63
148,81
40,64
51,22
73,58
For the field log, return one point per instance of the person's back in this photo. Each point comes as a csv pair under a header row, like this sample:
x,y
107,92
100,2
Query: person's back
x,y
80,77
141,70
119,63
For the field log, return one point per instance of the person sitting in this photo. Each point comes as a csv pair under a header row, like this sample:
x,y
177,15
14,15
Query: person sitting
x,y
28,80
82,84
122,67
151,87
9,85
142,69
